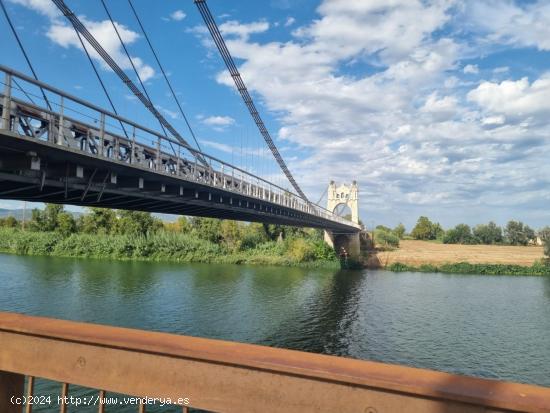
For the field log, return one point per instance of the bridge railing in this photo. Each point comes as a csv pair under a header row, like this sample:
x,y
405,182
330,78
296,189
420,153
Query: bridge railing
x,y
225,376
38,111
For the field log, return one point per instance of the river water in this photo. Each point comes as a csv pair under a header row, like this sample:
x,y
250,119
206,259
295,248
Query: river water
x,y
486,326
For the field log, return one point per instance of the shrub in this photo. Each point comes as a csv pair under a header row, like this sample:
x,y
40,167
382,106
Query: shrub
x,y
544,235
386,238
299,250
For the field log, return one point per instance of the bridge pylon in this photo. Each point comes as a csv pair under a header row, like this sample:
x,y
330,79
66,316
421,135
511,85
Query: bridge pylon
x,y
344,195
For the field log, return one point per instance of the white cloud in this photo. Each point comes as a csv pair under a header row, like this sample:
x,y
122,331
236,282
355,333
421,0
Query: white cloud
x,y
502,69
471,69
105,34
524,24
514,98
234,28
218,122
45,7
409,131
64,35
290,21
178,15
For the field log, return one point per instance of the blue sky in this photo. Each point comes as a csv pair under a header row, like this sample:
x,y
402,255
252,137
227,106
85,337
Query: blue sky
x,y
437,108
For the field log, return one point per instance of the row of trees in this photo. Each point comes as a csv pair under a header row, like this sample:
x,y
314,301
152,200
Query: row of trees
x,y
514,233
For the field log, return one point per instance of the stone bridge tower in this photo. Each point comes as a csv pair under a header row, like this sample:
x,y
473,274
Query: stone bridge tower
x,y
344,195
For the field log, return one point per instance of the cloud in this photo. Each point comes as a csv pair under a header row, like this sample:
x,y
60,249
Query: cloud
x,y
418,137
234,28
218,122
471,69
521,24
290,21
45,7
514,98
178,15
65,36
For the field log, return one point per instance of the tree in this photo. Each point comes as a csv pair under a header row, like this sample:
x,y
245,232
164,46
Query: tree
x,y
137,223
426,229
517,233
207,228
399,230
66,224
544,235
9,222
183,224
230,233
98,221
461,234
489,233
46,220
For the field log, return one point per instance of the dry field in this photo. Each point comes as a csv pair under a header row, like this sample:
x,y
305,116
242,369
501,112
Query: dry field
x,y
421,252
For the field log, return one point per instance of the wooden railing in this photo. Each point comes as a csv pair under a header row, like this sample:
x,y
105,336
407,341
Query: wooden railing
x,y
228,377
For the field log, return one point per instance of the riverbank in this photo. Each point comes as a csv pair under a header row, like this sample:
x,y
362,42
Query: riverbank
x,y
166,246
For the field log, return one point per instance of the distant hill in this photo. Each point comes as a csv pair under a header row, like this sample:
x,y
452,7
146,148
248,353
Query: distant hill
x,y
18,214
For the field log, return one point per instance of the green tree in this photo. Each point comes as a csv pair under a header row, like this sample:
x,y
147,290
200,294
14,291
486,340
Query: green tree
x,y
461,234
98,221
9,222
517,233
426,229
230,233
47,219
183,224
207,228
137,223
66,224
383,228
544,235
489,233
399,230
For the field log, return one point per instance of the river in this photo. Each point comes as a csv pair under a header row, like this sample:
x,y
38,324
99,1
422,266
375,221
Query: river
x,y
486,326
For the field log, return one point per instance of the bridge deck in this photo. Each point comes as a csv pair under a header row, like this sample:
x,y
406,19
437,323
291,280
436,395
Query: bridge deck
x,y
74,154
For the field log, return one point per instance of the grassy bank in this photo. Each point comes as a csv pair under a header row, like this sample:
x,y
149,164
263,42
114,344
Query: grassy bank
x,y
165,246
538,268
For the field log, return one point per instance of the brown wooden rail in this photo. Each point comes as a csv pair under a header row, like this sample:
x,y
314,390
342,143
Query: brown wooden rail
x,y
228,377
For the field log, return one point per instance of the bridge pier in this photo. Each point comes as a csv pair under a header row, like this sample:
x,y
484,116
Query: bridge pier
x,y
350,242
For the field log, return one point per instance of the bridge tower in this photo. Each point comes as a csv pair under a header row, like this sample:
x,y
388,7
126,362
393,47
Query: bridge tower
x,y
344,195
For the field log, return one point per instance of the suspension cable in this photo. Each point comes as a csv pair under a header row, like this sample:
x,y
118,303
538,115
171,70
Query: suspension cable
x,y
77,24
101,83
230,64
131,63
23,51
164,75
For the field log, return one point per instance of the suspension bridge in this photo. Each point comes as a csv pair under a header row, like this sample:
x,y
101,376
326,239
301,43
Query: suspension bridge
x,y
60,148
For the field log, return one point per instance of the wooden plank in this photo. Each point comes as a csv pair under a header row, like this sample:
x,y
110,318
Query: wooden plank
x,y
224,376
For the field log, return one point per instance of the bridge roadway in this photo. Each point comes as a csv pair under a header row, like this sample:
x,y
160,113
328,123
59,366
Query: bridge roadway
x,y
77,153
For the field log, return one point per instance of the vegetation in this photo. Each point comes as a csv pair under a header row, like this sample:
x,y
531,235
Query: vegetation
x,y
488,234
105,233
467,268
461,234
426,230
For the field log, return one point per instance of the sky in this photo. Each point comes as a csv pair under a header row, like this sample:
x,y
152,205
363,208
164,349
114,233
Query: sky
x,y
435,107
